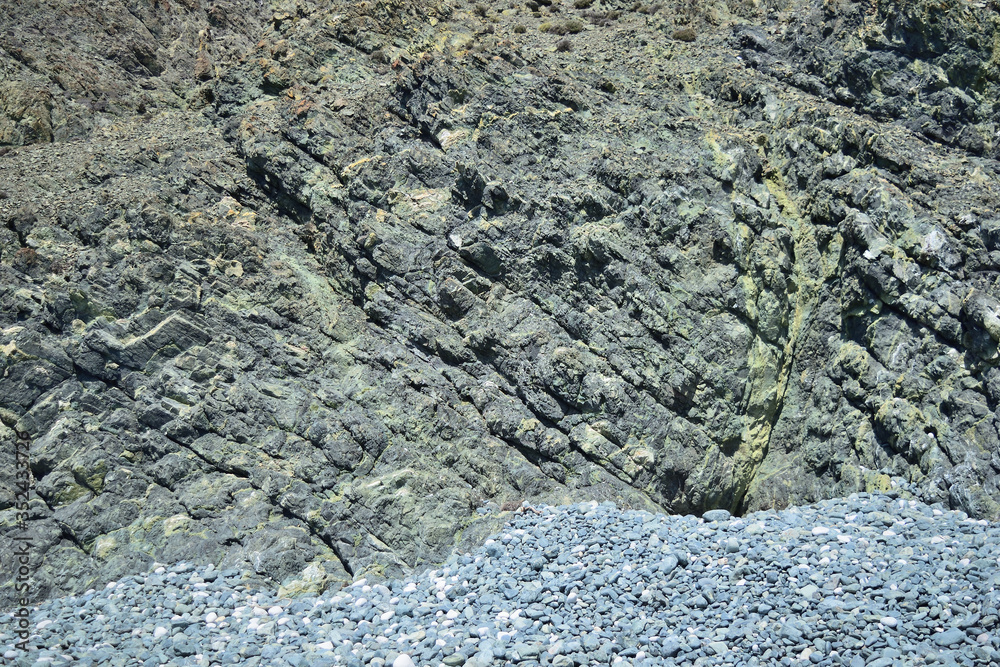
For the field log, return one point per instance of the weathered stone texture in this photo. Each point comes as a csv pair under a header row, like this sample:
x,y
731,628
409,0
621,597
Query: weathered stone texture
x,y
316,288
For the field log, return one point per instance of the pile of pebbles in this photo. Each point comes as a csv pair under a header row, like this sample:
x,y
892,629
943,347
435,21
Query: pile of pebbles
x,y
866,581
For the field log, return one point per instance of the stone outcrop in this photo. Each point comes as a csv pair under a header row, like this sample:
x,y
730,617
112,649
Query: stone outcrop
x,y
321,289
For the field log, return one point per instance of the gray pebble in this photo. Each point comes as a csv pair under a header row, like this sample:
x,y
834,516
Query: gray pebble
x,y
585,585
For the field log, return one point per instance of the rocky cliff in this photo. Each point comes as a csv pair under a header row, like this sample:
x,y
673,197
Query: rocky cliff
x,y
322,289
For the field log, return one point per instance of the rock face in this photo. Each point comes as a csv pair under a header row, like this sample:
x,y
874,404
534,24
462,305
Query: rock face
x,y
320,288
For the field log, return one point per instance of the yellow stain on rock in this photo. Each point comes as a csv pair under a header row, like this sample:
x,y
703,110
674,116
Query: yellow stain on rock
x,y
770,365
175,524
449,138
104,546
357,163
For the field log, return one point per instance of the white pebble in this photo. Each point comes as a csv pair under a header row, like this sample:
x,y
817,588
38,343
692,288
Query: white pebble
x,y
403,660
275,611
821,530
159,632
211,617
889,622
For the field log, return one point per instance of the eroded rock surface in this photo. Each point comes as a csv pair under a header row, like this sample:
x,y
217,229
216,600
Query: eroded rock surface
x,y
383,269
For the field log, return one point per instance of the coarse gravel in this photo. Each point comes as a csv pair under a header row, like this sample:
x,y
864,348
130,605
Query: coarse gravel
x,y
868,580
